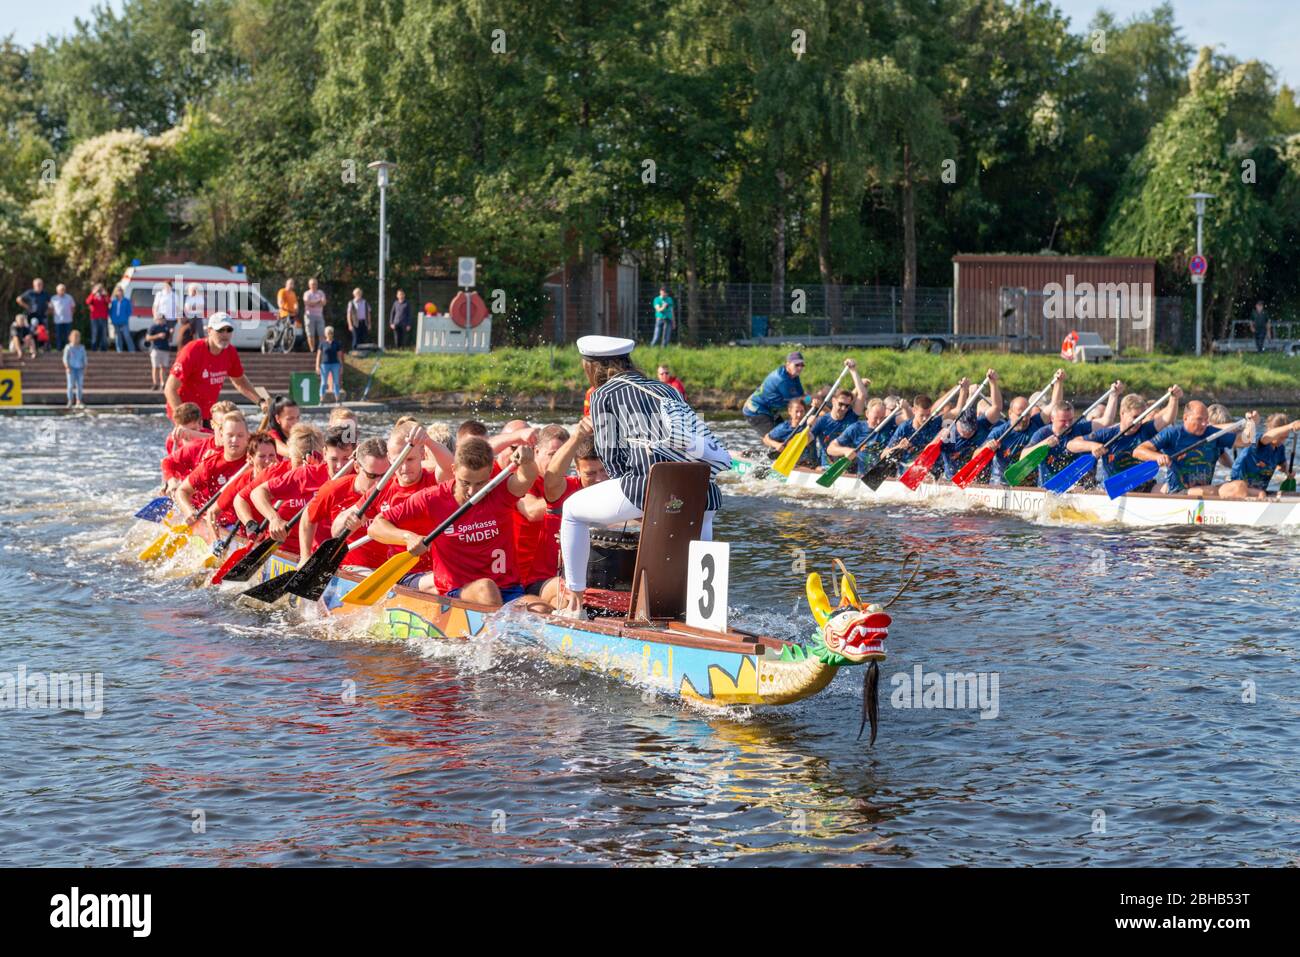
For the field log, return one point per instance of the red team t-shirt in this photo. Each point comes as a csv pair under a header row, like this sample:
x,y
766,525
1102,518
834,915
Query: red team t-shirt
x,y
293,489
180,462
528,535
208,478
374,554
202,374
334,496
546,561
479,545
243,486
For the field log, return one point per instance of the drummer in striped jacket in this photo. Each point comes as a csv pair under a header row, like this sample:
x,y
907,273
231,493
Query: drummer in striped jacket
x,y
627,410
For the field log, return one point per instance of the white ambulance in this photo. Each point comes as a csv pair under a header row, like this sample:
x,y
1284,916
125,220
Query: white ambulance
x,y
225,290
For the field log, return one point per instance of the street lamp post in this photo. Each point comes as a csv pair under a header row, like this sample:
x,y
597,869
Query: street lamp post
x,y
382,167
1199,199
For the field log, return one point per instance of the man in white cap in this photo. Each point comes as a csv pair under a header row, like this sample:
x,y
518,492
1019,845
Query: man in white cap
x,y
202,367
626,417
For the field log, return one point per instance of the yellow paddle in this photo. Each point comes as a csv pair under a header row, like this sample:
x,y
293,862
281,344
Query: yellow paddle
x,y
381,581
169,543
798,440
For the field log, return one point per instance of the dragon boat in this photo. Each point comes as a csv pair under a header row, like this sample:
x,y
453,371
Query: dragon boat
x,y
640,636
1135,508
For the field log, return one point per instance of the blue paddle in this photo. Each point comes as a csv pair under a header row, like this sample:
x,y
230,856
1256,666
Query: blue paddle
x,y
1068,477
155,510
1144,472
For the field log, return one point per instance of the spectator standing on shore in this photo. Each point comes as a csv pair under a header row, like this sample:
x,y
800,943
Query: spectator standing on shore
x,y
358,318
400,318
74,363
61,307
119,313
192,310
664,318
287,300
36,303
165,306
160,360
313,308
20,336
667,378
1261,325
329,365
97,302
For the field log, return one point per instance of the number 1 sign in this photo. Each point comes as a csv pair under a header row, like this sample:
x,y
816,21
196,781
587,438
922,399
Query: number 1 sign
x,y
706,585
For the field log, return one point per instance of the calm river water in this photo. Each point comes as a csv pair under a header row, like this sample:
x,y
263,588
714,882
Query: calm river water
x,y
1123,731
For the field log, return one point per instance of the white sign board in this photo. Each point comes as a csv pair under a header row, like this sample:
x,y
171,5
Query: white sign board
x,y
466,267
706,585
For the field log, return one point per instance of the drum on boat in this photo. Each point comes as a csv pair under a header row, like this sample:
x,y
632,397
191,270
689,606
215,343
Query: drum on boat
x,y
613,558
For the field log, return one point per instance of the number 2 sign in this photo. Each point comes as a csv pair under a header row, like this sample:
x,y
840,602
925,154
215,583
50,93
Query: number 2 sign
x,y
706,585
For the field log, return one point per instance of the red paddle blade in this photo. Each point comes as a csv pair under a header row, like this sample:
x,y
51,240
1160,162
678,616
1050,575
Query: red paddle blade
x,y
921,467
230,563
971,470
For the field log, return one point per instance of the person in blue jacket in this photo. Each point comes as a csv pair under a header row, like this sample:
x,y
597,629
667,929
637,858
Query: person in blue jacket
x,y
119,314
763,408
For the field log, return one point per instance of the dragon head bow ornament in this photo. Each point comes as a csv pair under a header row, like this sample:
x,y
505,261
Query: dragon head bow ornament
x,y
853,633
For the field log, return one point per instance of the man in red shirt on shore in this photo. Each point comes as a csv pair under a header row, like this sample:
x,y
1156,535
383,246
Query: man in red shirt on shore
x,y
202,367
667,378
475,558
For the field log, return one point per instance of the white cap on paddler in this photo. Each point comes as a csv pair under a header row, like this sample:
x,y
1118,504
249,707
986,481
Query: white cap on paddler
x,y
604,347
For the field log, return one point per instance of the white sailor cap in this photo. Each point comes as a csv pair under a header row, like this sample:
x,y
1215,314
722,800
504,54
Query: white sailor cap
x,y
604,347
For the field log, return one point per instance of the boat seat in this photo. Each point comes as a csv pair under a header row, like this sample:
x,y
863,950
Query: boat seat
x,y
675,499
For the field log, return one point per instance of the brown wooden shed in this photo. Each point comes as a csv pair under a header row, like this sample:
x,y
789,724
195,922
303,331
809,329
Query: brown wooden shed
x,y
1035,301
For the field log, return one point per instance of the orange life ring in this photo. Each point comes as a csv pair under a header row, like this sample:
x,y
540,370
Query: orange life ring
x,y
1067,347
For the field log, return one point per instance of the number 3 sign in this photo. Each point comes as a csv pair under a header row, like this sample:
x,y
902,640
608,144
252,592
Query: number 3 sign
x,y
706,585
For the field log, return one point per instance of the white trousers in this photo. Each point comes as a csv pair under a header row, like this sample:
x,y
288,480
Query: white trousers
x,y
598,505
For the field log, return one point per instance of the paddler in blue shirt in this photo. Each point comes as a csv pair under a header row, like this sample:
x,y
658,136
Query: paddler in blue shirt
x,y
848,440
845,408
763,408
1193,474
1119,456
776,439
1008,441
970,430
1257,463
1057,438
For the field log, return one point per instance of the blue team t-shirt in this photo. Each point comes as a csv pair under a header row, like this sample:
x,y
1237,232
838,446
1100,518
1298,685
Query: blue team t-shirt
x,y
870,453
1196,467
1257,463
957,451
826,429
918,440
1119,456
1010,444
1059,456
781,432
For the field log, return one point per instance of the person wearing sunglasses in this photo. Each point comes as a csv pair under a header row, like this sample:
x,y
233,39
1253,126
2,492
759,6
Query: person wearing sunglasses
x,y
202,368
342,493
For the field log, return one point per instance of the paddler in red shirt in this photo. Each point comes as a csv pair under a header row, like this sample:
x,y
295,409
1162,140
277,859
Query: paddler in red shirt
x,y
579,451
530,518
233,499
213,472
295,487
190,445
342,493
474,559
202,367
411,477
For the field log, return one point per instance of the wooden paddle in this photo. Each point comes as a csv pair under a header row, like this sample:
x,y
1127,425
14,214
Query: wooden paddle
x,y
1124,482
167,544
798,440
381,581
837,468
924,461
876,475
313,575
980,460
1068,477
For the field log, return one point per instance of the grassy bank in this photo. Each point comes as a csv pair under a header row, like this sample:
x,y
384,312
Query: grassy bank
x,y
722,377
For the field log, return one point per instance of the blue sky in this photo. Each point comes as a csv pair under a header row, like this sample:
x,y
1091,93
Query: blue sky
x,y
1267,29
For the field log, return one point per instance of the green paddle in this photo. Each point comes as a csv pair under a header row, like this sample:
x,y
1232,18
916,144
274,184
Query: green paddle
x,y
837,468
1016,472
1288,483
